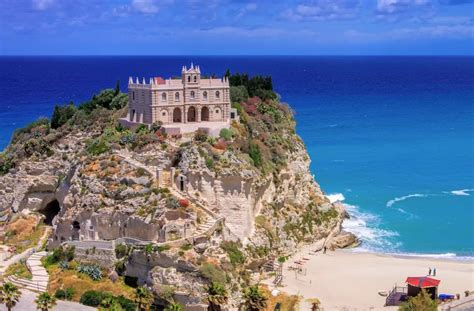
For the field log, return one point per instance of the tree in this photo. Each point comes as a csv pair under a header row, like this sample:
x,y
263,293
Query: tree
x,y
45,302
254,299
61,114
217,296
422,302
174,307
9,295
144,298
117,88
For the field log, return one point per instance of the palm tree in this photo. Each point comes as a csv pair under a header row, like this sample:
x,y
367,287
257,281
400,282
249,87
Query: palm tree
x,y
174,307
144,298
9,295
254,299
45,302
217,296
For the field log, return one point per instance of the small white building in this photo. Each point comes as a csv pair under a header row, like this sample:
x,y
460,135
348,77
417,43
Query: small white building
x,y
181,105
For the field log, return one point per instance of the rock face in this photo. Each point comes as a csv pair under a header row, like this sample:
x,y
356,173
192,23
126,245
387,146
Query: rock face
x,y
192,198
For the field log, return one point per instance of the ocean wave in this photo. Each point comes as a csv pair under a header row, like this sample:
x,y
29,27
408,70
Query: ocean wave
x,y
462,192
335,197
416,195
365,227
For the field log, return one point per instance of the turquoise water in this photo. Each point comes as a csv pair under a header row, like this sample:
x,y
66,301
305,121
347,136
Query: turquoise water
x,y
390,137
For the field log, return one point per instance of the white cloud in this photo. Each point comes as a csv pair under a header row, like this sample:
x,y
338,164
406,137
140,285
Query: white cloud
x,y
262,32
323,10
395,6
42,4
145,6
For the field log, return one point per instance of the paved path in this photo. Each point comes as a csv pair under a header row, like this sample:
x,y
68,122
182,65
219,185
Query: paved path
x,y
27,303
25,254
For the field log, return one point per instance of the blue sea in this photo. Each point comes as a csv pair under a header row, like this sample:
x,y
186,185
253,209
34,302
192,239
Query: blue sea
x,y
390,137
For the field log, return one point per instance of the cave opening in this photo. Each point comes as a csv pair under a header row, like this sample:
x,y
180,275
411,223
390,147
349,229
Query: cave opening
x,y
50,211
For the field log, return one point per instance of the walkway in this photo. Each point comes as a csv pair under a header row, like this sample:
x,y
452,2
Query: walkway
x,y
39,281
27,303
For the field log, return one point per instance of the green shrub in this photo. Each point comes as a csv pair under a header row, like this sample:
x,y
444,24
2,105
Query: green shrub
x,y
64,294
212,273
60,254
227,134
119,101
233,251
255,155
121,250
93,298
6,164
61,114
127,304
97,146
238,94
200,135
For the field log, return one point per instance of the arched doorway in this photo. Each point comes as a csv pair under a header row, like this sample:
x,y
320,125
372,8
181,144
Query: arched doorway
x,y
205,114
177,115
50,211
76,227
192,114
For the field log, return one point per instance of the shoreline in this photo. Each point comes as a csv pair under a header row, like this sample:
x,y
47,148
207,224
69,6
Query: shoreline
x,y
427,256
348,279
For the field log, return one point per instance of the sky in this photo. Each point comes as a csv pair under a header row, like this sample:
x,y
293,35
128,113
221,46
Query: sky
x,y
236,27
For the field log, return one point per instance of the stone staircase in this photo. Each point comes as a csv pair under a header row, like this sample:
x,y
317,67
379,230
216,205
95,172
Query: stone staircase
x,y
39,281
204,227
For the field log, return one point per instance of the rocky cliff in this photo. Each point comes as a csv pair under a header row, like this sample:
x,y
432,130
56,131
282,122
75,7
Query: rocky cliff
x,y
189,210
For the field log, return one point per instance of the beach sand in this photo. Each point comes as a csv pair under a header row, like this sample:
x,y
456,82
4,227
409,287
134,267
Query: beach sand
x,y
347,280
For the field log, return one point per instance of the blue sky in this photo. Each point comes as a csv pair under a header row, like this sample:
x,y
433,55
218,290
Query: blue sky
x,y
236,27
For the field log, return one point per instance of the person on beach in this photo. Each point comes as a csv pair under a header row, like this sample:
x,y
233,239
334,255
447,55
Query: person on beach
x,y
429,271
324,249
434,271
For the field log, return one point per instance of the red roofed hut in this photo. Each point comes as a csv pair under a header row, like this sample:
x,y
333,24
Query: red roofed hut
x,y
416,284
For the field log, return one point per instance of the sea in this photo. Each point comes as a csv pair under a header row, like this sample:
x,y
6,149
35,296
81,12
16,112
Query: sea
x,y
392,138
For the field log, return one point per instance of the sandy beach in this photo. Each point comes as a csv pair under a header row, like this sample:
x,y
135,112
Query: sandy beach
x,y
346,280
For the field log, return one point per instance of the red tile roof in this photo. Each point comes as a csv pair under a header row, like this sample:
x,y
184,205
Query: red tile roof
x,y
422,281
159,80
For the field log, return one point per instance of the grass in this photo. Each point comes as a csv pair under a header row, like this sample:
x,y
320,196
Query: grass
x,y
24,233
18,269
59,279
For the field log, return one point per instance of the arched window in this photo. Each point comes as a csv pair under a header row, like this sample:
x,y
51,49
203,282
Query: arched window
x,y
163,96
195,78
176,96
193,94
189,78
163,113
217,111
204,94
218,94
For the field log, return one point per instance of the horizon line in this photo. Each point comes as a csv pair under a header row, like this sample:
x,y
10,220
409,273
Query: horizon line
x,y
238,55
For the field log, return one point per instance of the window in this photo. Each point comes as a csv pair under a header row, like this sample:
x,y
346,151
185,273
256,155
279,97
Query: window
x,y
192,94
195,78
189,78
204,95
164,114
218,94
133,95
217,111
176,96
163,96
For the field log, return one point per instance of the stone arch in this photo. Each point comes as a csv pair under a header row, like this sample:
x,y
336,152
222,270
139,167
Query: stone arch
x,y
193,94
177,115
176,96
218,94
204,113
50,211
192,114
204,95
163,96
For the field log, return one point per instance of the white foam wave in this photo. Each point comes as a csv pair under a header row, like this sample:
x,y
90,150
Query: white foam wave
x,y
463,192
416,195
365,227
335,197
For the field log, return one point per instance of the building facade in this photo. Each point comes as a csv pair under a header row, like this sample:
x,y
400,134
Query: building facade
x,y
191,99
